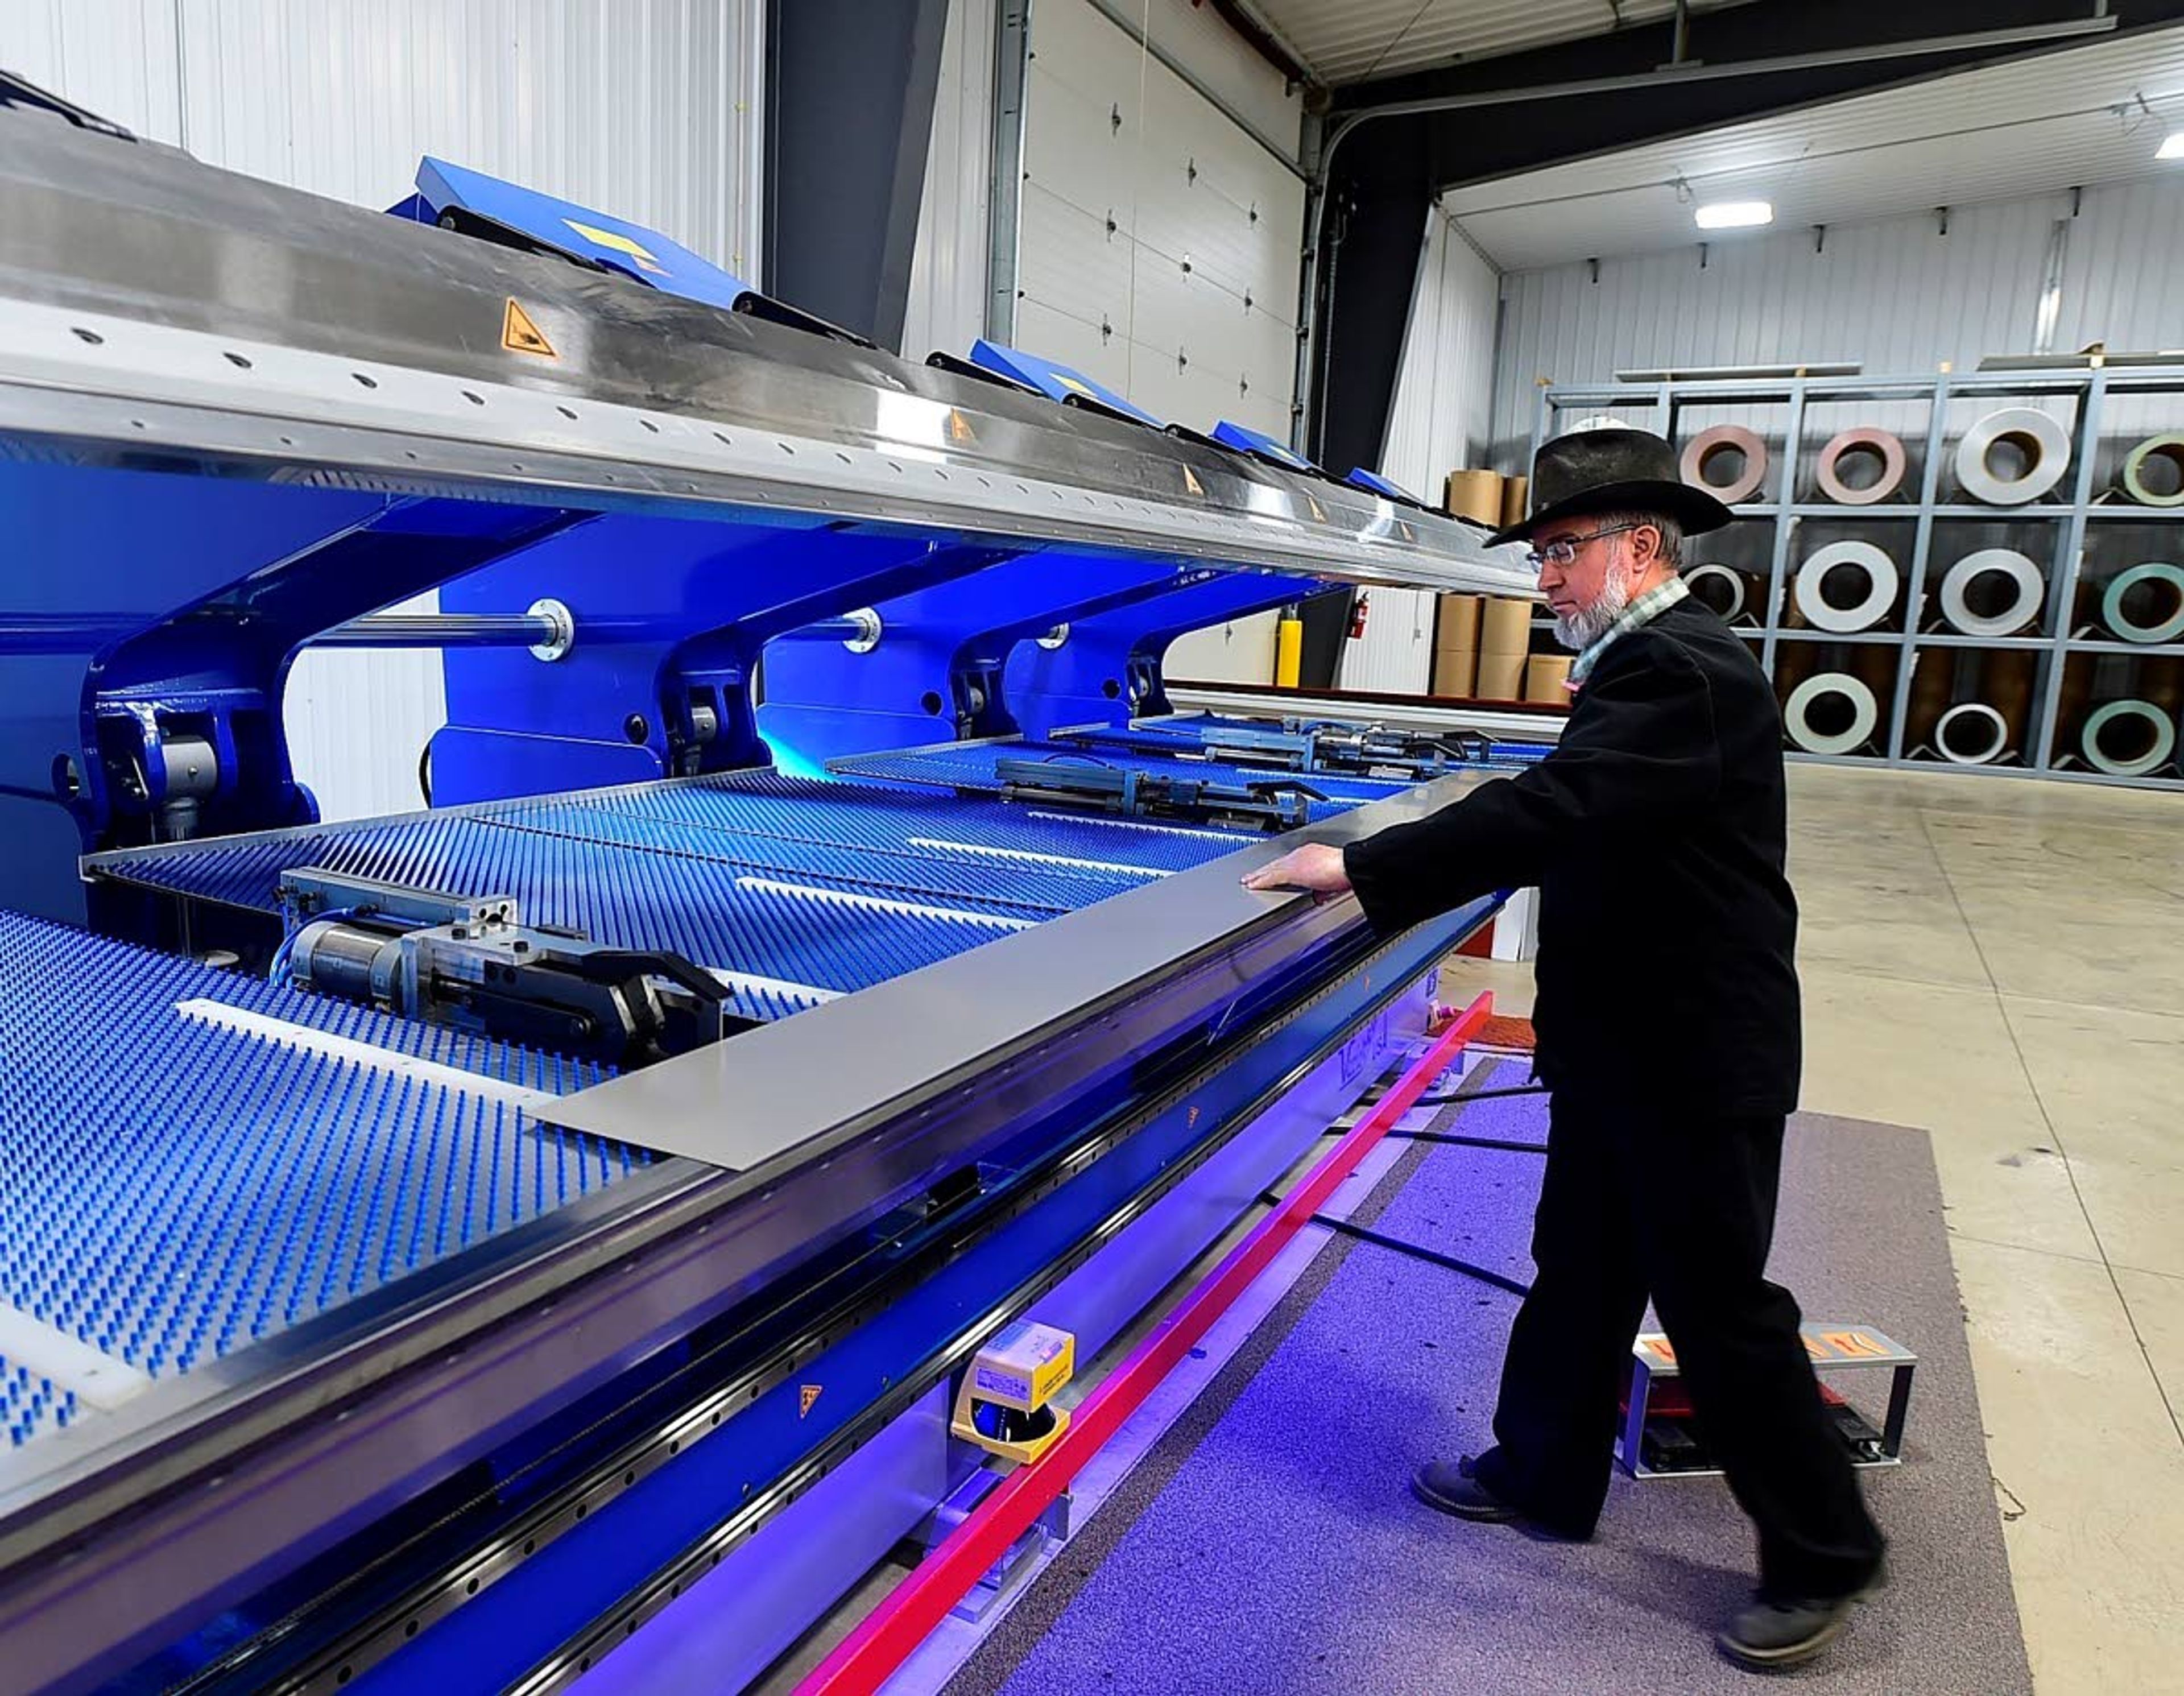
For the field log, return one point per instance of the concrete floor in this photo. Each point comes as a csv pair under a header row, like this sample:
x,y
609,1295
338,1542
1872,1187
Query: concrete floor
x,y
2001,963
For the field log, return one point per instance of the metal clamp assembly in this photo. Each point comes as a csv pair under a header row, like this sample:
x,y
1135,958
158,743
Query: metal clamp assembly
x,y
471,962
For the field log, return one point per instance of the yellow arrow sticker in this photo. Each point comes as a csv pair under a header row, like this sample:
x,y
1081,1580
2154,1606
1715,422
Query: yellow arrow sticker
x,y
619,243
519,335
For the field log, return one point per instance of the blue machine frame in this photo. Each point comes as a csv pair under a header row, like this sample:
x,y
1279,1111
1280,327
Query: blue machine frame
x,y
709,486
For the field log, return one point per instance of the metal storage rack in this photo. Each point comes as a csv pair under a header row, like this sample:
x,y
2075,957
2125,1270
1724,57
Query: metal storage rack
x,y
2065,653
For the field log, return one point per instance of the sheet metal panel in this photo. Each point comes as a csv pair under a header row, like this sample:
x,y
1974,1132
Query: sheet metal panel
x,y
920,1039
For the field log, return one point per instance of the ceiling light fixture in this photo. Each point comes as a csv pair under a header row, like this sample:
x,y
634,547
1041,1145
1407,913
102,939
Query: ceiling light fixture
x,y
1734,214
2173,147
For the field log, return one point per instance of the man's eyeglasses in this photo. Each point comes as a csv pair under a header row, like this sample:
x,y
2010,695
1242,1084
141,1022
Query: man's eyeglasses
x,y
1562,550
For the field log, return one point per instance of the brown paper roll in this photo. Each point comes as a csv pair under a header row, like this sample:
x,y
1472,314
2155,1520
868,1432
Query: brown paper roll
x,y
1455,672
1474,494
1514,493
1874,667
1933,687
1545,676
2006,685
1505,626
2073,703
1502,676
2161,681
1457,625
1793,664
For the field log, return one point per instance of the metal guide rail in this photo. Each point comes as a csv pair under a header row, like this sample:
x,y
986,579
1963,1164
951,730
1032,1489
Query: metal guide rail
x,y
1169,783
1313,746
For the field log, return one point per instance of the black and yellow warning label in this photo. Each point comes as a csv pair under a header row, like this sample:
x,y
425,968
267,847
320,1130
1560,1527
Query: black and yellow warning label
x,y
519,334
806,1394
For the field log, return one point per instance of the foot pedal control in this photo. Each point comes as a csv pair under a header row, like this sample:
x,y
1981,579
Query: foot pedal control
x,y
1659,1439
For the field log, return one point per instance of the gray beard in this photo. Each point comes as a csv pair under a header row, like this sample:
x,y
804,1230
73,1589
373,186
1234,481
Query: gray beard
x,y
1578,631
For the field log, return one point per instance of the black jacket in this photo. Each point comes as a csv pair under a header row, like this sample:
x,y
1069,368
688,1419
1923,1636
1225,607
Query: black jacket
x,y
1655,833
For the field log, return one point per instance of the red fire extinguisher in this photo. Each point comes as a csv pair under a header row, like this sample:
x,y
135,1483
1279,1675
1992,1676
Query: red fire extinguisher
x,y
1358,610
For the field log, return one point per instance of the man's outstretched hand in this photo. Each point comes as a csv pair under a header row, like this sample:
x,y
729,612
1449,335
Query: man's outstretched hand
x,y
1315,867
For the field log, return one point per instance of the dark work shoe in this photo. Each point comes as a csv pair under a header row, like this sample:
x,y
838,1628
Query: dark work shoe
x,y
1786,1633
1451,1487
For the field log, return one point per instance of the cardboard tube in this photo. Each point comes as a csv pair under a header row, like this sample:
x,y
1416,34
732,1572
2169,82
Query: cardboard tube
x,y
1515,491
1704,450
1502,676
1455,672
1474,494
1861,439
1505,626
1457,624
1546,678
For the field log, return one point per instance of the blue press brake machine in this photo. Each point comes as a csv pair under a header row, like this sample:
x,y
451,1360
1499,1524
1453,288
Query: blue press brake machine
x,y
438,1250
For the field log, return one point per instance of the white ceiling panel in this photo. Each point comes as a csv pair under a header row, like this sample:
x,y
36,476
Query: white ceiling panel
x,y
2059,120
1347,41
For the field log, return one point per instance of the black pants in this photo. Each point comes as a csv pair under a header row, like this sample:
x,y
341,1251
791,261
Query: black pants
x,y
1682,1207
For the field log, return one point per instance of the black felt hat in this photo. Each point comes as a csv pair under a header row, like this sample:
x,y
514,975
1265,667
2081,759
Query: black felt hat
x,y
1612,471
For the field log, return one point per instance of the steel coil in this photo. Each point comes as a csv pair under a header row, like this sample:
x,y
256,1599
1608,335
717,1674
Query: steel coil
x,y
2041,440
1717,587
1701,452
2169,448
2030,591
1797,714
2115,613
2093,741
1971,733
1861,439
1882,582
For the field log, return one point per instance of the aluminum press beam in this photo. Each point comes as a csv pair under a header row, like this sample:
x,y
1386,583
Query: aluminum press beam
x,y
149,303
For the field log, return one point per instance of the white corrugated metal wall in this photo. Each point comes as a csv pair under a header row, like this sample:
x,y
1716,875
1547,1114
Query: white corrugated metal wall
x,y
1897,296
947,306
650,109
1158,242
1439,419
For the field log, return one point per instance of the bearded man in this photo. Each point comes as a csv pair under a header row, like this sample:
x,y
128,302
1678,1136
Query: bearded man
x,y
1667,1017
